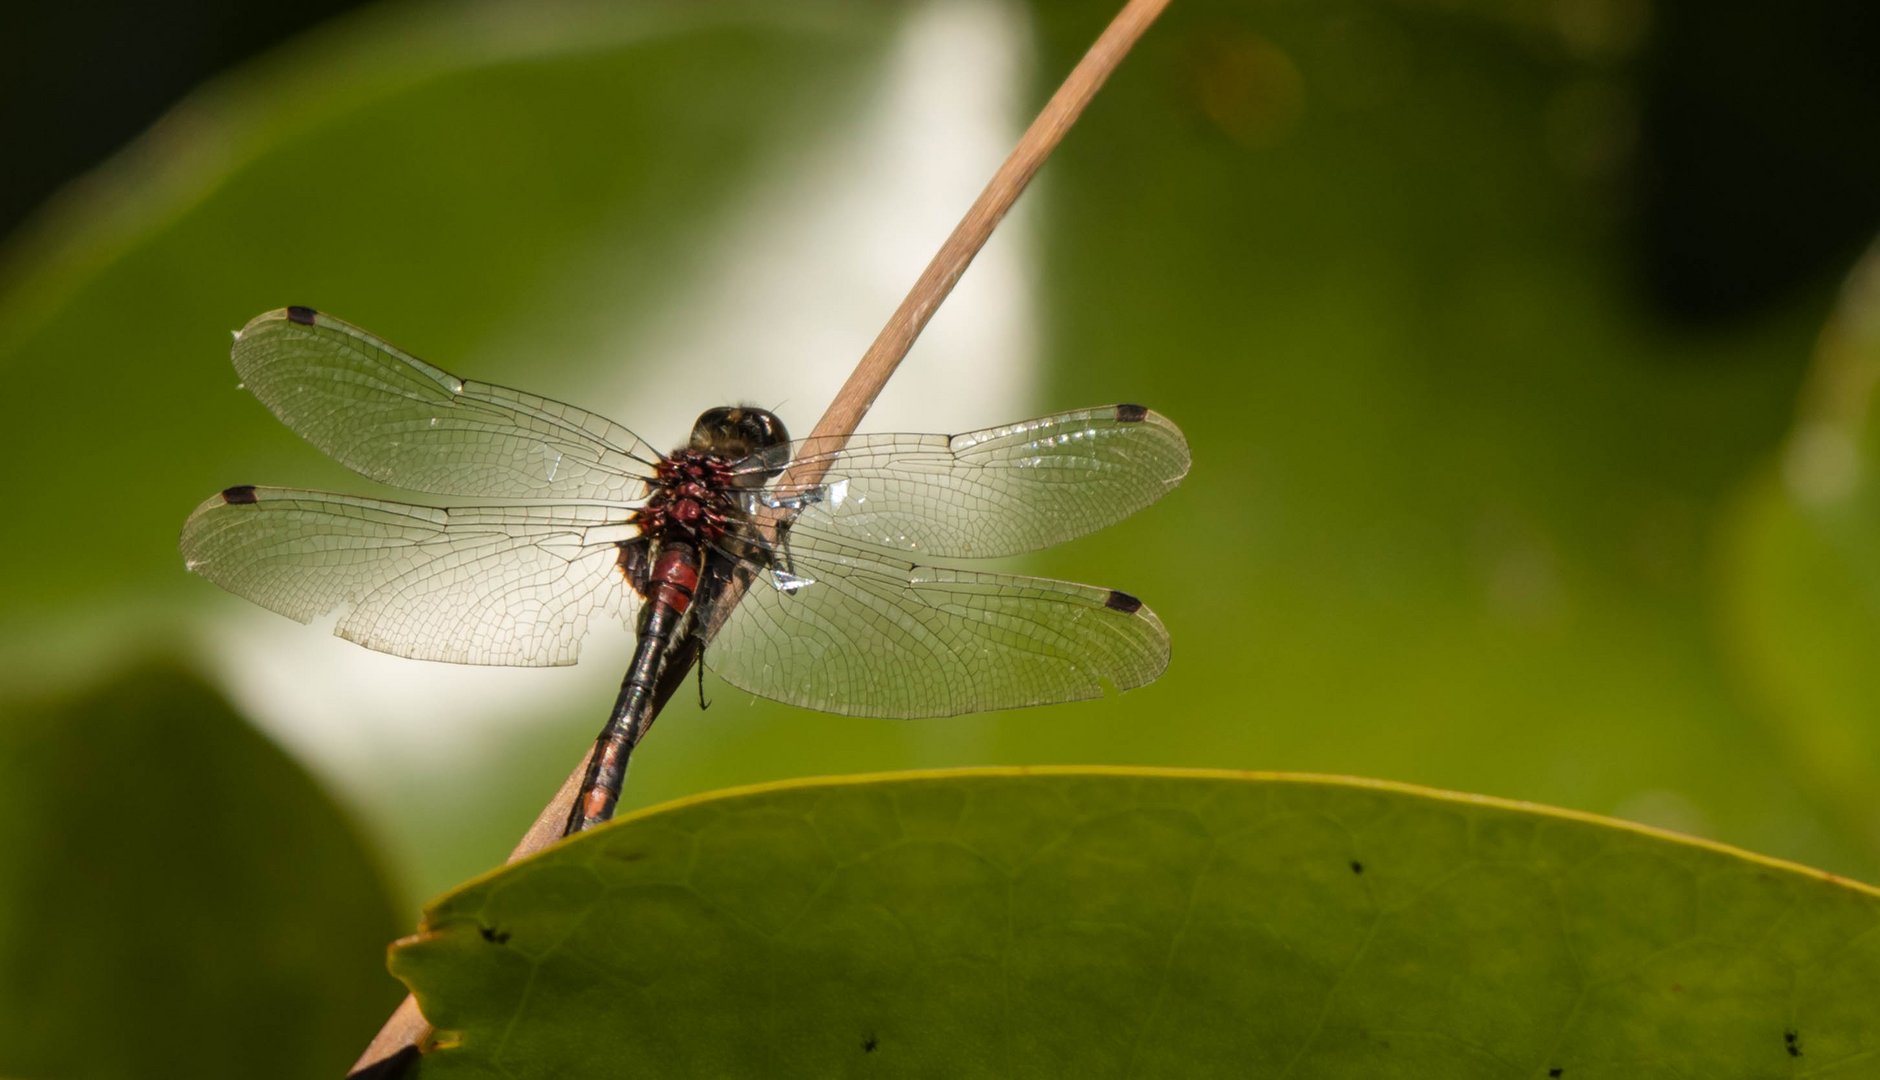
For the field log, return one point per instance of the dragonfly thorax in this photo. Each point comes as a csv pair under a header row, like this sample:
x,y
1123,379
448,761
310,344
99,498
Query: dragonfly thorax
x,y
692,488
691,498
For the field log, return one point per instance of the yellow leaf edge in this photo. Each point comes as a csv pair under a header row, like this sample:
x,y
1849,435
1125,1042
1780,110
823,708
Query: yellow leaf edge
x,y
1016,772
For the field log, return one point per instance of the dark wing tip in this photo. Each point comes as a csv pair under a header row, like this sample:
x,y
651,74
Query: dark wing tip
x,y
302,315
1123,602
239,495
1132,414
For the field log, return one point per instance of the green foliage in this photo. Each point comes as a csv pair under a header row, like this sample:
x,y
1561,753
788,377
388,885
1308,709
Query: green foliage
x,y
177,898
1136,923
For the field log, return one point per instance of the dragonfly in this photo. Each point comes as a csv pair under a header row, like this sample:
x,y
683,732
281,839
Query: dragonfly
x,y
839,593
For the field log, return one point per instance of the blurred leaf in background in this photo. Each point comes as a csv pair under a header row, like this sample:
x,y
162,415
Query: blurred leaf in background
x,y
178,897
1475,316
515,174
1803,568
1458,490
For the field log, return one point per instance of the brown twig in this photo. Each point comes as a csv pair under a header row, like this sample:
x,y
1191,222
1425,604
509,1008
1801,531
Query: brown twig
x,y
398,1042
407,1030
935,282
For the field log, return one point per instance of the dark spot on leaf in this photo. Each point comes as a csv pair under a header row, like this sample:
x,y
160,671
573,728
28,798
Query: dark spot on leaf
x,y
1357,867
1794,1041
868,1045
495,936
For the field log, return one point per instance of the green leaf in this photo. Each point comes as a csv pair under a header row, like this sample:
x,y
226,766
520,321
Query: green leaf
x,y
1138,923
177,897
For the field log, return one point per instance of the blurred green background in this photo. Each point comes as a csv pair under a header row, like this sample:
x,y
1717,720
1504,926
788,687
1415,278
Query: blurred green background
x,y
1527,384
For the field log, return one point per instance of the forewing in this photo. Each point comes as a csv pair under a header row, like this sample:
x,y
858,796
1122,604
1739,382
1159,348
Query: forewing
x,y
994,492
395,418
849,630
477,585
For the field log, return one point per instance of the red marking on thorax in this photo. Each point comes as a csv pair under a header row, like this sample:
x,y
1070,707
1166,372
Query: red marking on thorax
x,y
688,496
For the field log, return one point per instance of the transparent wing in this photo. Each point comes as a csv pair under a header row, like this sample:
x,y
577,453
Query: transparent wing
x,y
849,630
395,418
995,492
478,585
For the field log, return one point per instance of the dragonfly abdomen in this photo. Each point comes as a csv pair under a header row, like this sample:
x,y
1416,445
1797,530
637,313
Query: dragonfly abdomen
x,y
669,588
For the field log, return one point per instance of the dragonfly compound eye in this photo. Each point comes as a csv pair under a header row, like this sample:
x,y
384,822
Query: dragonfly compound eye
x,y
735,432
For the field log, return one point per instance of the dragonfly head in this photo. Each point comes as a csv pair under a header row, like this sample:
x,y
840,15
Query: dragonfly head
x,y
736,432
